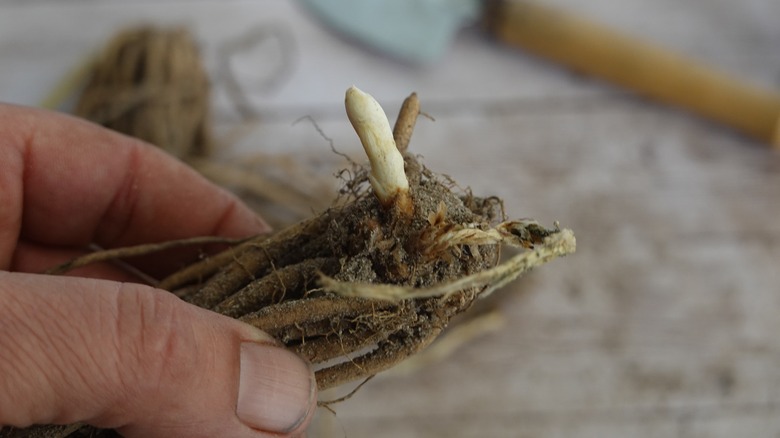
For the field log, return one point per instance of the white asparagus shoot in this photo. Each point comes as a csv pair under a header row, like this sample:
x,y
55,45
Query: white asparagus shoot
x,y
387,176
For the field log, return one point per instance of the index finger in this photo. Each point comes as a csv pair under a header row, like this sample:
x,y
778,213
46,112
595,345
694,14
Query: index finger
x,y
67,182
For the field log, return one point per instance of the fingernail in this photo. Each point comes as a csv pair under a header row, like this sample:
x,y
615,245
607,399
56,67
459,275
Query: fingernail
x,y
276,388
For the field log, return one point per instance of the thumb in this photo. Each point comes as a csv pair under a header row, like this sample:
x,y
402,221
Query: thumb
x,y
127,356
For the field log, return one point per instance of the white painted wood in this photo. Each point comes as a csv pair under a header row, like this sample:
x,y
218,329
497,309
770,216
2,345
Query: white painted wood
x,y
665,322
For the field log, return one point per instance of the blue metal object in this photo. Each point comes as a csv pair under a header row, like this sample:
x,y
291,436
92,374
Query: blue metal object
x,y
413,30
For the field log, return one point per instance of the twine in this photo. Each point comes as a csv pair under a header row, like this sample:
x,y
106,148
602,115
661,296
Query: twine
x,y
150,83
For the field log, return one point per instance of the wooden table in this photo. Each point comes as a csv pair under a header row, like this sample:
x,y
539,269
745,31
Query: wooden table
x,y
666,321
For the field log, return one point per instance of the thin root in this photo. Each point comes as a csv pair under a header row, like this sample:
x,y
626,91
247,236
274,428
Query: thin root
x,y
135,251
328,403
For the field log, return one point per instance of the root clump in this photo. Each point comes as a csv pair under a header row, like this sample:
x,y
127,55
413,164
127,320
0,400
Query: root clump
x,y
376,278
360,242
320,286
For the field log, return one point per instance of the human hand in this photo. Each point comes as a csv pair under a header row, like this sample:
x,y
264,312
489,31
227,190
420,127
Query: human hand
x,y
118,354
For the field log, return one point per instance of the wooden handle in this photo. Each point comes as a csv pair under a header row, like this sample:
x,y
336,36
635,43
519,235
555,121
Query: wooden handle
x,y
646,69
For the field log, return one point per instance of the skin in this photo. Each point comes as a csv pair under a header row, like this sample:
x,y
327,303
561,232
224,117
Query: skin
x,y
98,347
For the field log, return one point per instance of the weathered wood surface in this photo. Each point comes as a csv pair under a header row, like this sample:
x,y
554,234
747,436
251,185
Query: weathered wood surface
x,y
663,324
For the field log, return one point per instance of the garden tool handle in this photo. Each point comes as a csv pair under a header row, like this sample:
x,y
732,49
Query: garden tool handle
x,y
651,71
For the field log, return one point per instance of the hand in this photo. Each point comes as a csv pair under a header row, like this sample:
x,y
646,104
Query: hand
x,y
118,354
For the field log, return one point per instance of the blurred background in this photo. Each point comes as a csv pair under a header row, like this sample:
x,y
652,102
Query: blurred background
x,y
664,323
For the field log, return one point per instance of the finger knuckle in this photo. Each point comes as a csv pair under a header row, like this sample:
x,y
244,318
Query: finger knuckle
x,y
158,337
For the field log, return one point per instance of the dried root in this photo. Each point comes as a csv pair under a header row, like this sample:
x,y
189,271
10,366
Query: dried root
x,y
370,282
